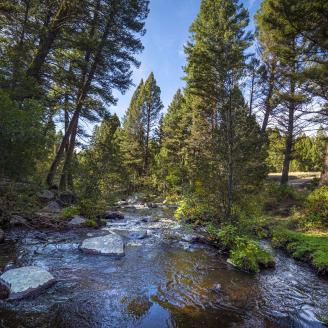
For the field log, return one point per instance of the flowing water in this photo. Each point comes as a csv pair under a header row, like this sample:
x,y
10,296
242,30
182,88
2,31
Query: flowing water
x,y
160,282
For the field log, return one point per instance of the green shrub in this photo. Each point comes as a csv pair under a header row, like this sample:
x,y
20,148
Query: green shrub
x,y
69,212
249,256
90,209
315,211
91,223
279,193
193,209
245,253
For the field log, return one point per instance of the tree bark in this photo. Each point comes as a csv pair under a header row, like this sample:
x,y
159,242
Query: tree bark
x,y
83,94
324,175
268,103
290,136
47,41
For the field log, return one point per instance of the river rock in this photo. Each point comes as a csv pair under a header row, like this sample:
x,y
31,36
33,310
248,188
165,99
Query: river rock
x,y
17,220
109,215
67,198
2,236
52,207
46,195
189,238
122,203
142,234
111,244
4,291
77,221
26,281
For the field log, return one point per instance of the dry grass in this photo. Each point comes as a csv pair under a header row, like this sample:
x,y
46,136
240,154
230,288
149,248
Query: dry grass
x,y
298,175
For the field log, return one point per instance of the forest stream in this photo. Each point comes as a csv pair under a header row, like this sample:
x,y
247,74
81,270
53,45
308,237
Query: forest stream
x,y
160,282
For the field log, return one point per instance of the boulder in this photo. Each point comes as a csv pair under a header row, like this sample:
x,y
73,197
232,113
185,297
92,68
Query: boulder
x,y
152,205
67,198
4,291
142,234
189,238
52,207
26,281
111,244
2,236
114,216
17,220
46,195
77,221
122,203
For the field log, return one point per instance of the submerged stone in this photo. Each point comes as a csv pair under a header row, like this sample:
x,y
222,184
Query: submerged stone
x,y
114,216
26,281
111,244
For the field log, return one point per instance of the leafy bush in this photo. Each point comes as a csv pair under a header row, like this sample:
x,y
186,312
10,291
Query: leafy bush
x,y
193,209
69,212
277,192
90,209
316,208
91,223
245,253
249,256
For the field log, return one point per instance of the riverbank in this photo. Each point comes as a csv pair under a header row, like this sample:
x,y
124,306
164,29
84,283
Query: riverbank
x,y
166,277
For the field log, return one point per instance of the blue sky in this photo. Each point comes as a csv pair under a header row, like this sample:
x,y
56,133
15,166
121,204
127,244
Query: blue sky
x,y
167,31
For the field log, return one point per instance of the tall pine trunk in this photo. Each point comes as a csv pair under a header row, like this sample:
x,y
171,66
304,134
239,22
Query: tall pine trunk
x,y
290,135
47,41
324,174
82,95
268,107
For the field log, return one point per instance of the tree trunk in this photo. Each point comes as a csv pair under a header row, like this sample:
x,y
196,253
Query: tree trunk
x,y
230,157
47,41
66,176
83,93
252,93
324,174
268,103
290,135
147,143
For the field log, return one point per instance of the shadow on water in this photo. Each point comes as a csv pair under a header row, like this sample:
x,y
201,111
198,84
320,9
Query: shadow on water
x,y
159,283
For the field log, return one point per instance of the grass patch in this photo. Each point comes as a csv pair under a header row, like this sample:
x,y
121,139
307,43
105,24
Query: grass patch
x,y
69,212
309,246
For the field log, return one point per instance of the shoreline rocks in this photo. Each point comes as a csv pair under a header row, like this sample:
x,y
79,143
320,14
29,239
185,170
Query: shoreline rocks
x,y
111,244
26,281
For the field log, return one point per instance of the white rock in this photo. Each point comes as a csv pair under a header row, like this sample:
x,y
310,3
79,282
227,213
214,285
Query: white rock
x,y
25,281
77,220
106,245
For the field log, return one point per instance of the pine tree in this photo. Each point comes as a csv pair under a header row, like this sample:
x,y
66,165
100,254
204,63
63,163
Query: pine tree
x,y
113,33
170,169
224,148
101,172
289,47
150,98
132,136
